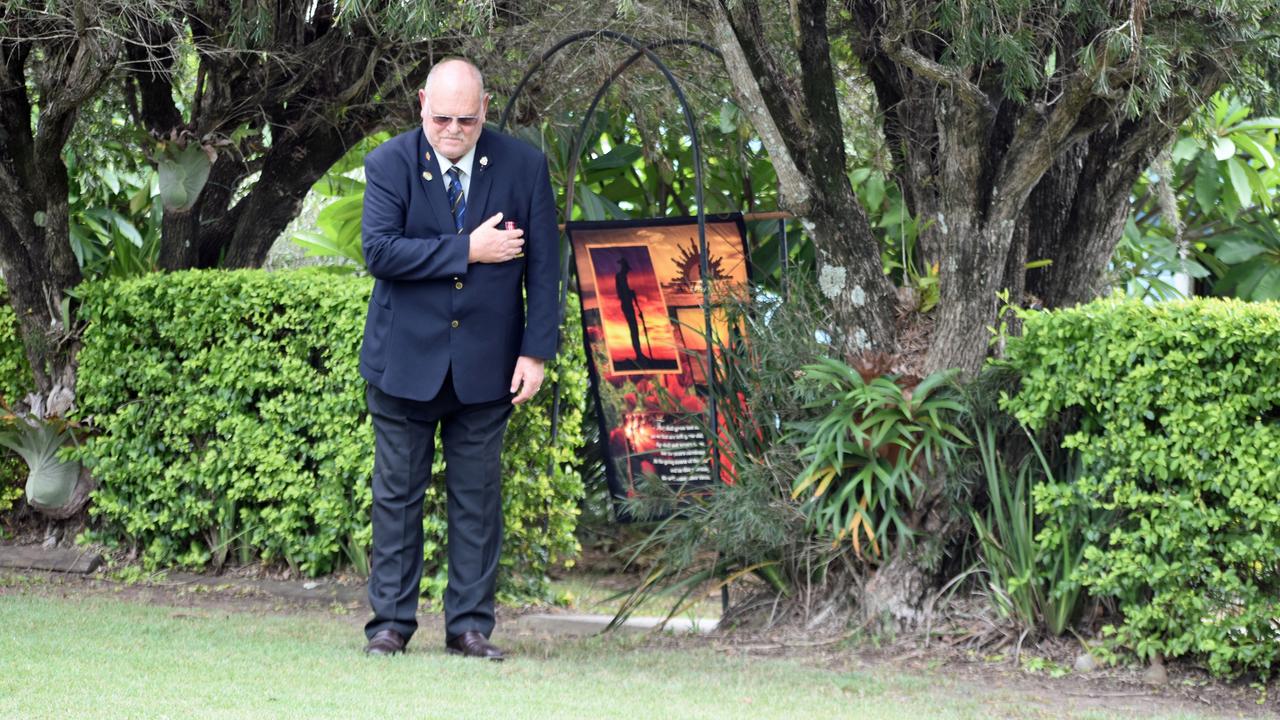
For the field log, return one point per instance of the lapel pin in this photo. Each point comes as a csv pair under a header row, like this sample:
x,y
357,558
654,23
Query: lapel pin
x,y
428,156
426,176
484,161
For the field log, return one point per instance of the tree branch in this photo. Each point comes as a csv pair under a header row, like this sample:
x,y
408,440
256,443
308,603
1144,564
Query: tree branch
x,y
794,191
966,90
818,87
1037,141
16,145
152,73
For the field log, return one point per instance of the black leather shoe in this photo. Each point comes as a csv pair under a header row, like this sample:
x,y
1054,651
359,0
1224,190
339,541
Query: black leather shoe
x,y
385,642
473,644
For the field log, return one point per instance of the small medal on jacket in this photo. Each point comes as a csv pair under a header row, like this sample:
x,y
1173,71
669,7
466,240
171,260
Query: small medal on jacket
x,y
426,176
510,225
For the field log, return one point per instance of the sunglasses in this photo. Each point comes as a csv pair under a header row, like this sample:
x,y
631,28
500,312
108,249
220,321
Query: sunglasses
x,y
465,121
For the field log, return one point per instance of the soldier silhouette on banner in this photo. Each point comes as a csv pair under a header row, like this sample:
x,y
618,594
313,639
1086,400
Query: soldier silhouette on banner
x,y
630,309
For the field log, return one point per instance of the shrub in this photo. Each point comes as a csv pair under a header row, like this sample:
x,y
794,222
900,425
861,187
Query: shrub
x,y
230,418
751,525
1179,432
15,383
1031,582
15,373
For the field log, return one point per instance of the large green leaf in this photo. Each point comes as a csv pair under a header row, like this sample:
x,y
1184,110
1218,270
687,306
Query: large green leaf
x,y
1237,251
1255,149
337,185
1238,173
874,191
125,227
620,156
1207,187
1254,278
595,207
183,173
1261,191
1265,123
1268,286
728,117
318,244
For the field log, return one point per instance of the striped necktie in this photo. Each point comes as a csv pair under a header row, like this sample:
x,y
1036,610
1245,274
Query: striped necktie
x,y
457,201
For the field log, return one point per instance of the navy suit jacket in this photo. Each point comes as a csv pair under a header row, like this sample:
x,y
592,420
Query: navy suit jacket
x,y
431,309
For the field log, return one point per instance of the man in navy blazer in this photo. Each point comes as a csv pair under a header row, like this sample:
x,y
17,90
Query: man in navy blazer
x,y
462,318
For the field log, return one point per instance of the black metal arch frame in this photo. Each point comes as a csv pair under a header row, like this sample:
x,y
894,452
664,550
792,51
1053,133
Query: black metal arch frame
x,y
642,50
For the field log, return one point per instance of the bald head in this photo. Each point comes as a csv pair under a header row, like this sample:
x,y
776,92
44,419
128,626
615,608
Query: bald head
x,y
454,105
454,71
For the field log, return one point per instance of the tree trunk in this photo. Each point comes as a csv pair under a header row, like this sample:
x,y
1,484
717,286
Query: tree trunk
x,y
289,170
800,121
35,252
1083,211
35,294
179,241
895,595
967,242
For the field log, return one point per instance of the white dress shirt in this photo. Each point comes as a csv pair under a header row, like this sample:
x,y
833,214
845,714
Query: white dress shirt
x,y
464,171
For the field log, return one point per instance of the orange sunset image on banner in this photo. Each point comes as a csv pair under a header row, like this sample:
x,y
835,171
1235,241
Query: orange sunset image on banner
x,y
633,313
644,319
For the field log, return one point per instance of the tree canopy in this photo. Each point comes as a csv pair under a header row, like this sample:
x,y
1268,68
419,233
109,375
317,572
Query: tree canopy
x,y
241,106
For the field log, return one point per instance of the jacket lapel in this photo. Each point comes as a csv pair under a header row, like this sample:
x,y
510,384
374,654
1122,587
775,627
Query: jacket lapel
x,y
429,167
481,179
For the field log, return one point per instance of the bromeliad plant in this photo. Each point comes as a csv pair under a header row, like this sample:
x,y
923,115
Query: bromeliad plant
x,y
870,449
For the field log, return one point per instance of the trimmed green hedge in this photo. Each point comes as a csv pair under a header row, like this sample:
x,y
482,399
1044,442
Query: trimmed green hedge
x,y
1179,434
231,424
15,373
15,383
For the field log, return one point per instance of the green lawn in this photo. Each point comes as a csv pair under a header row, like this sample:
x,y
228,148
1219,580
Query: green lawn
x,y
100,657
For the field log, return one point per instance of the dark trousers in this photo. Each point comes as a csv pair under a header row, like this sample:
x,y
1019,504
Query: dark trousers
x,y
404,432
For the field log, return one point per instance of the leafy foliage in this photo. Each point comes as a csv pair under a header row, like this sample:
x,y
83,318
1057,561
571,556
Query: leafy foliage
x,y
750,525
237,428
114,218
868,447
1030,571
15,376
1206,209
1179,435
1137,53
15,382
1251,254
11,471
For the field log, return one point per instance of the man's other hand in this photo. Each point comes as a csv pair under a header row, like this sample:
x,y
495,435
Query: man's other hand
x,y
527,378
491,245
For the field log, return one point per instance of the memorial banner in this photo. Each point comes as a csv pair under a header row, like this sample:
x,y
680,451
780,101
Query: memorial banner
x,y
640,287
